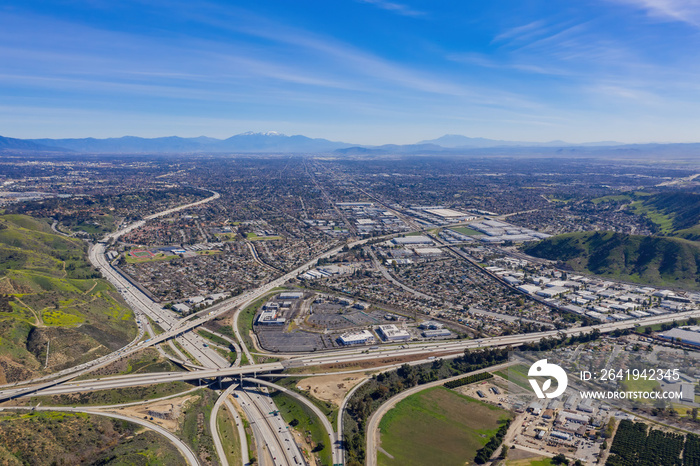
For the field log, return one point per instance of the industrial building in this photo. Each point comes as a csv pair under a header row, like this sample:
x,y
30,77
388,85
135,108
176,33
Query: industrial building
x,y
688,392
291,295
560,435
362,337
181,307
428,252
419,239
393,333
439,333
689,336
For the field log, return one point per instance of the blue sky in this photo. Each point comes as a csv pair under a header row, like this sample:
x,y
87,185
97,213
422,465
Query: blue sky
x,y
362,71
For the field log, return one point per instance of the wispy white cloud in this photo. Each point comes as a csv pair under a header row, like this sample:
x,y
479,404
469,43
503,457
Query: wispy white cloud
x,y
398,8
523,32
686,11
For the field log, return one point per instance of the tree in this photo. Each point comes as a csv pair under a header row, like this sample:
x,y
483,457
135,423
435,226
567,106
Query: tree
x,y
504,452
560,459
319,446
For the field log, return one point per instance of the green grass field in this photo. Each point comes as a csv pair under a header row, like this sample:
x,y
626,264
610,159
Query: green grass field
x,y
541,461
517,375
229,436
466,231
452,428
253,237
618,198
641,385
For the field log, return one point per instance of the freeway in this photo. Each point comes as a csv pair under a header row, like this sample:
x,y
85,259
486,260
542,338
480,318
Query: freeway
x,y
140,303
336,447
343,356
210,365
270,428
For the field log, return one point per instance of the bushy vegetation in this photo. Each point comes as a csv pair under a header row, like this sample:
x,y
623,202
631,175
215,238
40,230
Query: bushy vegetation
x,y
47,438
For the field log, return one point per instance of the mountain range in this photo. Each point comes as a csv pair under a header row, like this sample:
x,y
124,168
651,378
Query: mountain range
x,y
273,142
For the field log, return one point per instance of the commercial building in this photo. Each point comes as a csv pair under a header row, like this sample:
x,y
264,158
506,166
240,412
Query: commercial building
x,y
551,292
688,392
270,317
393,333
362,337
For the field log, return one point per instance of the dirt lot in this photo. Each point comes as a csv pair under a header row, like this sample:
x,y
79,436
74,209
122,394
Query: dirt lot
x,y
485,387
331,388
372,363
172,405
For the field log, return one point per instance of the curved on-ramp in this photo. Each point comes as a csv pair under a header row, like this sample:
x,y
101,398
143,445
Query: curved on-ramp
x,y
214,428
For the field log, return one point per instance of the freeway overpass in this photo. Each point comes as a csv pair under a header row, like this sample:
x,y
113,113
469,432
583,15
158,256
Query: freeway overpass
x,y
446,348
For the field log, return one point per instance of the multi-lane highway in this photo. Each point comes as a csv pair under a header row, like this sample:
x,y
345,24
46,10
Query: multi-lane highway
x,y
269,427
443,349
208,364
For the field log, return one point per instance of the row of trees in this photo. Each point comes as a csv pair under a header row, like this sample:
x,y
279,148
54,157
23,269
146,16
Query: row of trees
x,y
485,452
468,379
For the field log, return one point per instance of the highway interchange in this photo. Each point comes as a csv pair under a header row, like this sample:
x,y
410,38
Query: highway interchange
x,y
209,367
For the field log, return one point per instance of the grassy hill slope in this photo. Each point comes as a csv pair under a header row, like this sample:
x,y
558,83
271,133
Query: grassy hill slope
x,y
659,261
675,213
52,299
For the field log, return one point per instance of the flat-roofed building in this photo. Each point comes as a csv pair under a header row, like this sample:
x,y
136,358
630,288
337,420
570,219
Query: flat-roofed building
x,y
418,239
270,317
363,337
439,333
688,337
393,333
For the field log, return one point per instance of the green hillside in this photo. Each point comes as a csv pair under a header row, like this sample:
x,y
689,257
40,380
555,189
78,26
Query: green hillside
x,y
674,213
659,261
50,292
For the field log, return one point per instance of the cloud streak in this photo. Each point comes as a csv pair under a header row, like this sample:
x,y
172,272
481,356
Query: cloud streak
x,y
394,7
685,11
